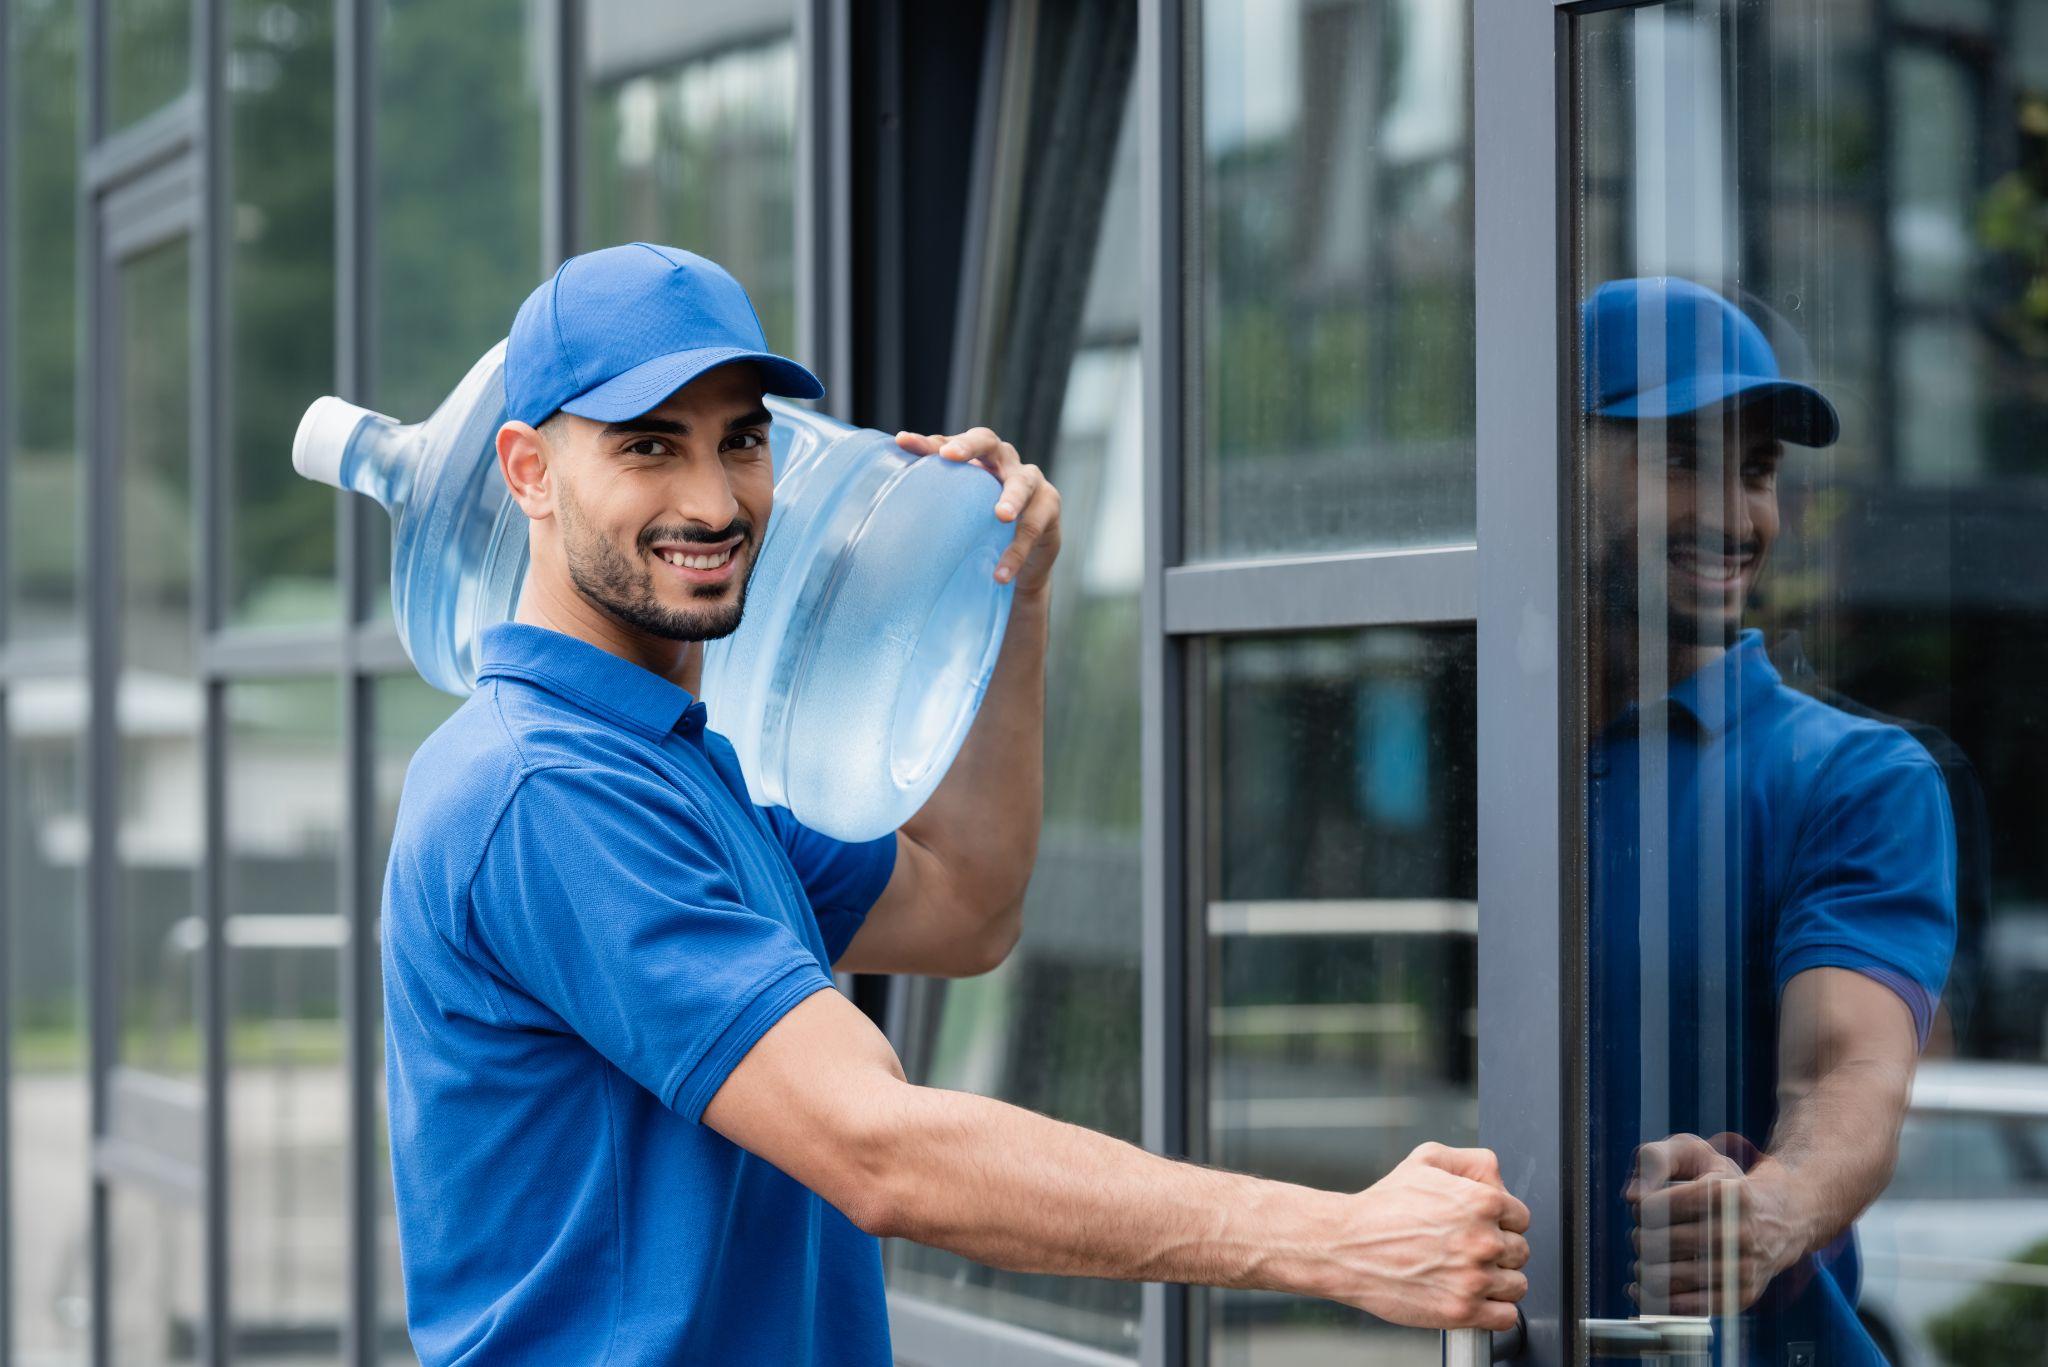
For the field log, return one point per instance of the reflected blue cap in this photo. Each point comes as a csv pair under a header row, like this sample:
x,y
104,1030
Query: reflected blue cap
x,y
616,331
1660,346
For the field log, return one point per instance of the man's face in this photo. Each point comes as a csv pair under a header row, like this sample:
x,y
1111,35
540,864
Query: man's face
x,y
1695,497
662,515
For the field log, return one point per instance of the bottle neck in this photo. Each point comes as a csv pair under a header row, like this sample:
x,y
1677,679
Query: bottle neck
x,y
380,461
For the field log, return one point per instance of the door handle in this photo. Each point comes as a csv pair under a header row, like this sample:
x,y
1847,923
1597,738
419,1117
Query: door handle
x,y
1676,1339
1482,1348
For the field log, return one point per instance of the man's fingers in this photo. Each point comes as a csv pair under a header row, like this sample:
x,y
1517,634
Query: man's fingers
x,y
1019,485
1517,1254
1688,1203
1480,1165
1037,520
976,443
1677,1159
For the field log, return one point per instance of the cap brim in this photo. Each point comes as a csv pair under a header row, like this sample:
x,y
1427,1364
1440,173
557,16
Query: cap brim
x,y
1800,413
634,392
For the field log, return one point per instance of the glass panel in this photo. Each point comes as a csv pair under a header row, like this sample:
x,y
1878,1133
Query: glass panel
x,y
1336,403
698,150
280,561
404,710
287,1084
1341,926
158,933
457,213
40,160
1814,508
49,1093
156,1265
149,57
1056,1028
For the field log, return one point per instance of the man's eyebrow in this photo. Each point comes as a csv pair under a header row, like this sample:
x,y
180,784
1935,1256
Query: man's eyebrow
x,y
634,426
757,418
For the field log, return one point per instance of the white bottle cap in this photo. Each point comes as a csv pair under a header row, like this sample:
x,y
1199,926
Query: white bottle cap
x,y
323,437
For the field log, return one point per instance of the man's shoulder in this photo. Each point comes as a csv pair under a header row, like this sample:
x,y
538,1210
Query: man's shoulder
x,y
1832,735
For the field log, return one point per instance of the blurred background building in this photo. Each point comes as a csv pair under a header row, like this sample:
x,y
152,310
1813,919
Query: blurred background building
x,y
1213,263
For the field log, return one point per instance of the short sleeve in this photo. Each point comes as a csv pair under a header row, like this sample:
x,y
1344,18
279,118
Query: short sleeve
x,y
1873,880
843,879
605,898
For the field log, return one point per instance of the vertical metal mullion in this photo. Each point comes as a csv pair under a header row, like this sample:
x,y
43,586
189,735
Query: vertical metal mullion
x,y
7,912
1163,1026
1529,953
561,122
825,192
355,33
95,438
208,456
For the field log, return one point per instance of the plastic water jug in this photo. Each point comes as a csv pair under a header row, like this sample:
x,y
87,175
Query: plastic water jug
x,y
872,623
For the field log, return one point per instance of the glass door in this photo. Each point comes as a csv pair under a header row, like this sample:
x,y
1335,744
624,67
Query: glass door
x,y
1805,392
150,810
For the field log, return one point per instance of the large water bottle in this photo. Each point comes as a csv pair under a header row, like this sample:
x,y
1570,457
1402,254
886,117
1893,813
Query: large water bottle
x,y
872,622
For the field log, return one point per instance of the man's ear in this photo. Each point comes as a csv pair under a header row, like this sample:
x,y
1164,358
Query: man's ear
x,y
523,457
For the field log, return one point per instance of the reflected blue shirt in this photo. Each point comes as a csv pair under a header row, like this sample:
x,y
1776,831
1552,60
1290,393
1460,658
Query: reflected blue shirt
x,y
1740,835
587,924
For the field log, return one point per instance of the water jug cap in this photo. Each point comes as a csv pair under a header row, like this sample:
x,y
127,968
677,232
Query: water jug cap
x,y
323,436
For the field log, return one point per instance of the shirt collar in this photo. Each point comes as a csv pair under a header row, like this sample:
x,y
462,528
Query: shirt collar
x,y
590,677
1736,683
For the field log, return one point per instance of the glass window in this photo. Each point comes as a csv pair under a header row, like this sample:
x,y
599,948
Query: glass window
x,y
1335,383
49,1093
1812,397
404,710
694,145
1056,1028
280,76
1341,935
159,705
156,1265
40,160
149,57
287,1085
457,203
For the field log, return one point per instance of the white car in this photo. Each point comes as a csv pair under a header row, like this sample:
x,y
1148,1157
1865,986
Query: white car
x,y
1967,1204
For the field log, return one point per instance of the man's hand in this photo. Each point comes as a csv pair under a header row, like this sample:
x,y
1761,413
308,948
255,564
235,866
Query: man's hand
x,y
1028,499
1706,1228
1438,1244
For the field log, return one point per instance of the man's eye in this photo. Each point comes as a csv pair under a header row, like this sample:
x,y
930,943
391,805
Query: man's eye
x,y
644,446
745,441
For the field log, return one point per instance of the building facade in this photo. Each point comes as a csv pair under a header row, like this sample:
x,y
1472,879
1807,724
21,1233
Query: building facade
x,y
1286,295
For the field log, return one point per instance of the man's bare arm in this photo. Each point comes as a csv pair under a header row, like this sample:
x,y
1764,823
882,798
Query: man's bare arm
x,y
1436,1243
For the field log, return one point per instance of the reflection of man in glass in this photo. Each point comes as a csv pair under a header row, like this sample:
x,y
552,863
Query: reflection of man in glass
x,y
1772,880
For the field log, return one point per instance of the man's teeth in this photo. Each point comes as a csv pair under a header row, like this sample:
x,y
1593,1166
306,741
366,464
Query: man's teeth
x,y
697,562
1718,567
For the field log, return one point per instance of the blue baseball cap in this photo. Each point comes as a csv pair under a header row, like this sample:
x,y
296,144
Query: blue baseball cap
x,y
1661,346
616,331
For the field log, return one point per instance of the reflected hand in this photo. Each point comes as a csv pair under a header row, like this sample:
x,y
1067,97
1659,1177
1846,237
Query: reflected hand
x,y
1437,1243
1684,1191
1028,499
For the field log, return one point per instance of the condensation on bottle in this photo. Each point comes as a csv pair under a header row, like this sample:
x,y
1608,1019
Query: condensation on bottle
x,y
872,622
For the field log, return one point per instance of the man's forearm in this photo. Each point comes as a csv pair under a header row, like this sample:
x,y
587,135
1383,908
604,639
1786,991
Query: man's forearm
x,y
982,822
1014,1189
1834,1148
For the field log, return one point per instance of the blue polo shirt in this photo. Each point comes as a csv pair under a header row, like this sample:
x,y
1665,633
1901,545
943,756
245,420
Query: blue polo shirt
x,y
1740,834
587,924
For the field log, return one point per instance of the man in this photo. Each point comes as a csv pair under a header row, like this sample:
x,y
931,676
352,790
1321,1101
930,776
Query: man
x,y
631,1121
1772,879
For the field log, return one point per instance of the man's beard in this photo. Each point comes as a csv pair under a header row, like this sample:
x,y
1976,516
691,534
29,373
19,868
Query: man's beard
x,y
625,588
1616,589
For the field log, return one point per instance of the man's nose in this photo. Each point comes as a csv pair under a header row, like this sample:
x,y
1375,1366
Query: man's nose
x,y
704,496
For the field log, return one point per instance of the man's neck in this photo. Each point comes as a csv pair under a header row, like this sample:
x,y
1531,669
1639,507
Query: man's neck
x,y
559,608
1622,671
